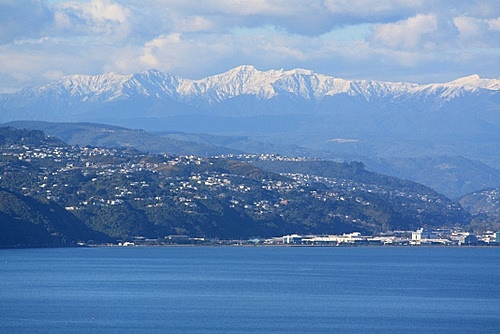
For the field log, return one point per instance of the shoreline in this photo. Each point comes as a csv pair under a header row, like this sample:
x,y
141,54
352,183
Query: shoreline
x,y
208,245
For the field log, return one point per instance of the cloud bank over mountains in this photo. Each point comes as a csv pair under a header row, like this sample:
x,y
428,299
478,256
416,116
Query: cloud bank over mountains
x,y
391,40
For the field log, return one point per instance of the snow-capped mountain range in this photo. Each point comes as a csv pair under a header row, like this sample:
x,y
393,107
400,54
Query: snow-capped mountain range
x,y
241,81
296,107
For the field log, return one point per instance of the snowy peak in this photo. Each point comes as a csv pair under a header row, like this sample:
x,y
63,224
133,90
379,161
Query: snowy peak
x,y
475,81
247,81
459,87
84,85
242,80
109,87
152,83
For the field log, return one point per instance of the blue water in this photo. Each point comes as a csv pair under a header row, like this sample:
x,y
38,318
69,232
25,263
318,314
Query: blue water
x,y
250,290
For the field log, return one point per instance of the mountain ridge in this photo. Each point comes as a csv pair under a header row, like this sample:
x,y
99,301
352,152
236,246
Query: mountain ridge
x,y
245,80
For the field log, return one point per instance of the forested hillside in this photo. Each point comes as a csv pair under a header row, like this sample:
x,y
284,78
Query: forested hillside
x,y
123,193
29,222
484,207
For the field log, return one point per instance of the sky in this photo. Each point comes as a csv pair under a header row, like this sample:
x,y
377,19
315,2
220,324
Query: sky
x,y
419,41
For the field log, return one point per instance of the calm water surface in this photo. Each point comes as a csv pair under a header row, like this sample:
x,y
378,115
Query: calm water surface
x,y
250,290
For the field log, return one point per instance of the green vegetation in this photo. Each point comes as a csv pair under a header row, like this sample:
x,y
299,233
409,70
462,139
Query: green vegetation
x,y
28,222
64,194
485,209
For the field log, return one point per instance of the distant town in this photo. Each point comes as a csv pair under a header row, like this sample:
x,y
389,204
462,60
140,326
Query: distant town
x,y
121,196
420,237
93,161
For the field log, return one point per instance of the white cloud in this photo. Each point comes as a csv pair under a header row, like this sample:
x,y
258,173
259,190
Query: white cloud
x,y
478,32
380,8
494,24
102,11
97,17
159,48
385,39
184,54
194,24
408,34
243,8
470,27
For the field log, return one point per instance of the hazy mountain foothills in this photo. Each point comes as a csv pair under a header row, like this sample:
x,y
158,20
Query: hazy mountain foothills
x,y
451,176
91,134
484,205
109,193
449,130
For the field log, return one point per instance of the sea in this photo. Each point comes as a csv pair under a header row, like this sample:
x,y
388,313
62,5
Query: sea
x,y
250,289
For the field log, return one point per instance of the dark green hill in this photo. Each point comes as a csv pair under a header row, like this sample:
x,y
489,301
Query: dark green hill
x,y
12,136
409,202
485,201
28,222
485,208
125,193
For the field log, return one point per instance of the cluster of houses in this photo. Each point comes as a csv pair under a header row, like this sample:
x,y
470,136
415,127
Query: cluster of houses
x,y
262,157
93,163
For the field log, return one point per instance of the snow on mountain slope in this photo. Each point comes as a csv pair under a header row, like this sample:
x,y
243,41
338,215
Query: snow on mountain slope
x,y
106,87
246,80
459,87
240,81
475,81
242,91
243,80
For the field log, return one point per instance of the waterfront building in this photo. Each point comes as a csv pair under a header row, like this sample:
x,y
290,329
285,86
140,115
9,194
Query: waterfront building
x,y
292,239
425,236
423,233
467,239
